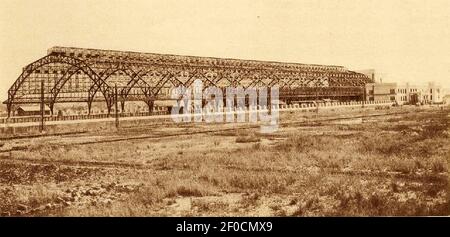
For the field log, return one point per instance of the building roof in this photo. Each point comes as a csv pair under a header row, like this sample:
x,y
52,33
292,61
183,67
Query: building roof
x,y
382,84
101,53
165,103
33,108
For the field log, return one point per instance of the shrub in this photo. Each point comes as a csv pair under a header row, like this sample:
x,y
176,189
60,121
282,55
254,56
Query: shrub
x,y
247,139
438,166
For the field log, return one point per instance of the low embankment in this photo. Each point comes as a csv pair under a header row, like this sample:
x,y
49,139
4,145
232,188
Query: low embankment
x,y
17,126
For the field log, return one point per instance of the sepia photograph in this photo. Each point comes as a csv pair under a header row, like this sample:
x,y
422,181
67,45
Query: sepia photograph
x,y
241,108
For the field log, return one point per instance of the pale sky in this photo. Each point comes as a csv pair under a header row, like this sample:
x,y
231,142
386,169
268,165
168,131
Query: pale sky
x,y
405,40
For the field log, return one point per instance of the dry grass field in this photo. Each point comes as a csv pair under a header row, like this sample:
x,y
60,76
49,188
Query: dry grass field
x,y
387,165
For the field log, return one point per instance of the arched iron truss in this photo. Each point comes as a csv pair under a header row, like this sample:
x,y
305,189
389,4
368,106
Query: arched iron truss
x,y
88,75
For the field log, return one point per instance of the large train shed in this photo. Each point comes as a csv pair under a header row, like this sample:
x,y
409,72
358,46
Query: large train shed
x,y
79,75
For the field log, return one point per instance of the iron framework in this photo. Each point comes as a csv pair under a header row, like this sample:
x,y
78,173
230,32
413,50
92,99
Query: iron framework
x,y
88,75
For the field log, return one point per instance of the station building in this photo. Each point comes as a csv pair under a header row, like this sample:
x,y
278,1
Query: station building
x,y
431,93
407,93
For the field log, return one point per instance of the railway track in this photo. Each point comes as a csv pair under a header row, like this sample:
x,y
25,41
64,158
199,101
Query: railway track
x,y
308,122
40,135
